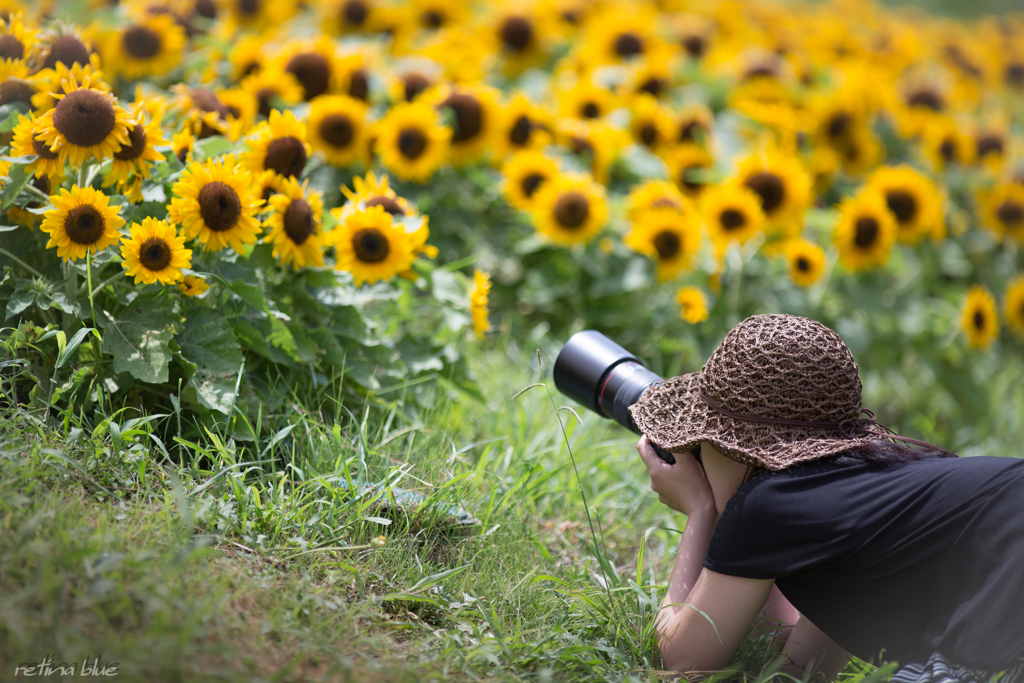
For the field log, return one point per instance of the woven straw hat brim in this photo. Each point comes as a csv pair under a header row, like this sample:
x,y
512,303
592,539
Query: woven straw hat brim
x,y
673,416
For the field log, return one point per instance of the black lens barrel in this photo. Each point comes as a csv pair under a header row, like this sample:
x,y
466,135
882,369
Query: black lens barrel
x,y
583,364
625,384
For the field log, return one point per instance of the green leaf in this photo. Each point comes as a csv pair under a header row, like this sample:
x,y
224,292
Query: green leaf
x,y
67,350
17,179
281,337
139,339
10,114
209,342
210,147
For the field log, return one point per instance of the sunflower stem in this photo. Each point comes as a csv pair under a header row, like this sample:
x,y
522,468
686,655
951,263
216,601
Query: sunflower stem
x,y
99,288
96,350
20,262
70,290
83,173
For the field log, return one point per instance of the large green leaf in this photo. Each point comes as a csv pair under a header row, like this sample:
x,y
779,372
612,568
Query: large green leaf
x,y
208,340
139,338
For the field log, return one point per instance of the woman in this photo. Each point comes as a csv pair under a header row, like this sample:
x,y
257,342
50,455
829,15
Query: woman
x,y
805,518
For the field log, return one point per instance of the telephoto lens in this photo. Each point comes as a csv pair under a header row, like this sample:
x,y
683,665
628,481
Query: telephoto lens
x,y
604,377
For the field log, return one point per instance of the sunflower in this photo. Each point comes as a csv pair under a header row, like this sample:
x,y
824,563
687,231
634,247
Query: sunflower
x,y
620,35
272,87
474,115
214,203
278,144
371,247
521,34
1013,306
781,183
570,208
408,85
667,236
24,143
523,125
979,319
586,100
865,231
651,124
51,81
1002,210
594,143
181,145
295,225
412,142
14,83
60,45
247,57
352,76
991,146
525,173
259,14
193,285
150,46
693,126
203,110
656,194
16,39
242,108
137,156
155,252
86,123
350,16
336,127
371,191
695,34
731,213
81,222
945,143
913,199
693,305
313,64
479,295
806,261
651,77
437,14
689,166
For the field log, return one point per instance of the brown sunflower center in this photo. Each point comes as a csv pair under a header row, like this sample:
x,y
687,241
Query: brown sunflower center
x,y
66,49
838,124
520,132
666,203
689,131
628,44
42,150
572,209
582,148
84,224
531,182
902,204
516,33
732,219
695,46
927,99
652,86
337,130
370,245
769,188
668,244
469,116
286,156
141,42
16,90
11,47
865,232
136,144
155,254
206,9
1014,75
1010,214
413,84
432,19
359,85
265,98
219,206
206,100
803,264
312,70
979,320
990,144
299,222
389,204
42,183
649,134
411,142
947,150
84,117
355,12
590,110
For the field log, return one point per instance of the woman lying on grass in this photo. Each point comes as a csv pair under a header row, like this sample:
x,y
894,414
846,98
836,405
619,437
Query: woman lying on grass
x,y
805,518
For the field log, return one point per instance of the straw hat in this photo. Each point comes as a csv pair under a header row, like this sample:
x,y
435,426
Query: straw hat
x,y
778,390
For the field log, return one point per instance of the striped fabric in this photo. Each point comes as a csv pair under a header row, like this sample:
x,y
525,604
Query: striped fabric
x,y
938,669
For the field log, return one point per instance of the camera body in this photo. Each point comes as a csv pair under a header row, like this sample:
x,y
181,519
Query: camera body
x,y
604,377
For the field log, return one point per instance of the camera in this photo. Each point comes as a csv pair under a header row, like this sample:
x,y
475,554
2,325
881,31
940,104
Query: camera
x,y
606,378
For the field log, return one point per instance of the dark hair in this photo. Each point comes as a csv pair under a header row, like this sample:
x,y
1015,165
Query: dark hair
x,y
889,453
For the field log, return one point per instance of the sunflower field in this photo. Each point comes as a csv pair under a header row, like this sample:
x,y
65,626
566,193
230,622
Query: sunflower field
x,y
238,237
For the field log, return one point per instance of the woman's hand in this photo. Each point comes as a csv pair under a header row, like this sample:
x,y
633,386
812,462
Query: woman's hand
x,y
683,486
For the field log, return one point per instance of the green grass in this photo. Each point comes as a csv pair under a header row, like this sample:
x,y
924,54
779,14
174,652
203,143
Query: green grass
x,y
285,558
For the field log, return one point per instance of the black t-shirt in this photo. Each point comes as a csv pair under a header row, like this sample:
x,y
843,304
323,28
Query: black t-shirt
x,y
915,558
